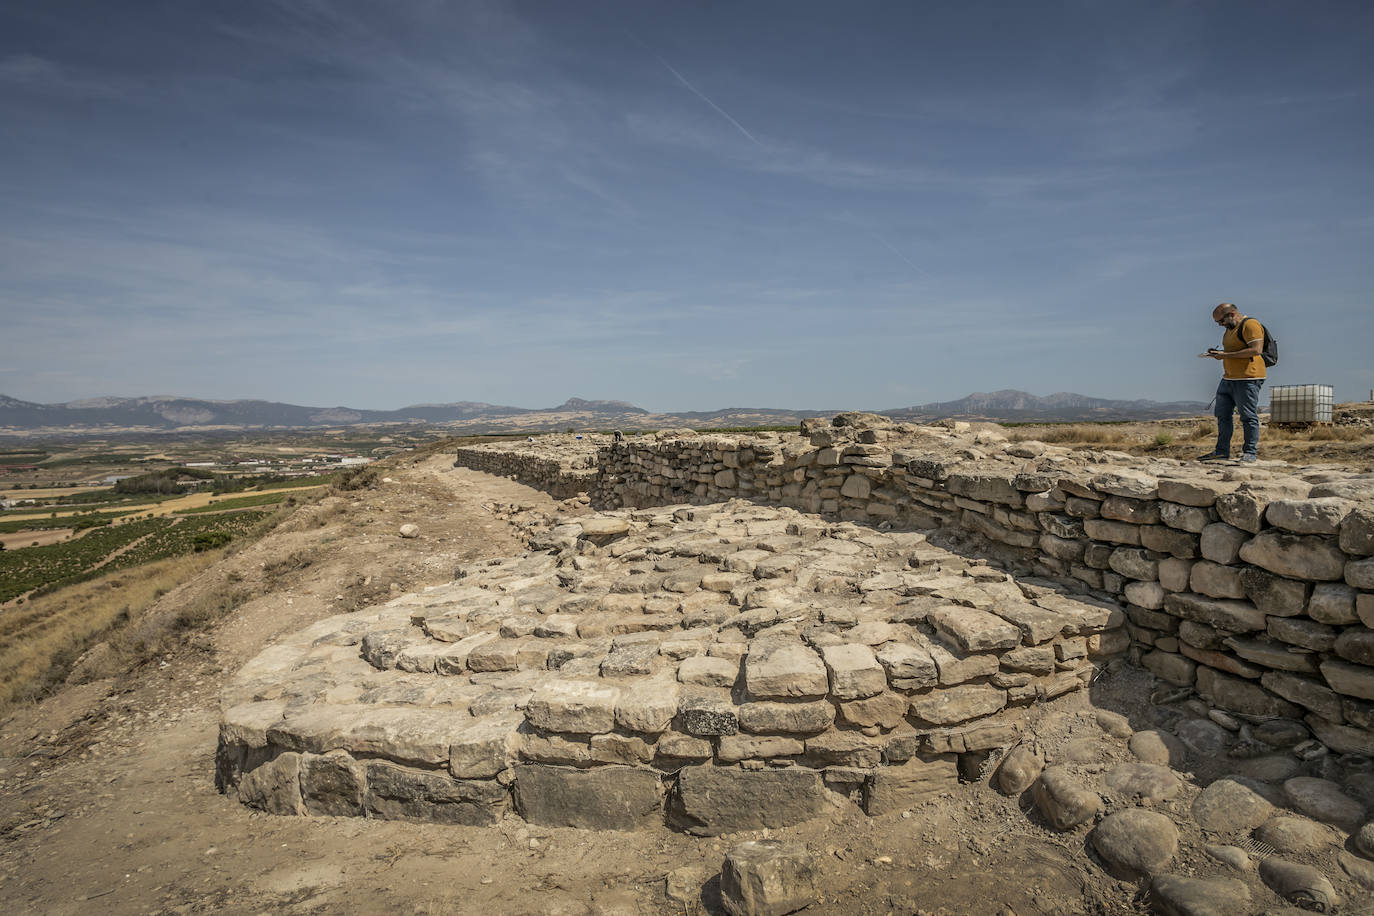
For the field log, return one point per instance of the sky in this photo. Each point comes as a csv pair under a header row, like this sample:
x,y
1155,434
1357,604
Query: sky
x,y
685,205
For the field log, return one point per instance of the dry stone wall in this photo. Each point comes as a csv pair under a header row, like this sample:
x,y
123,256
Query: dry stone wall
x,y
1252,585
562,465
722,667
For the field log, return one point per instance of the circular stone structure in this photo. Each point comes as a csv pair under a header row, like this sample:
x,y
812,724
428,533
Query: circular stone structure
x,y
720,667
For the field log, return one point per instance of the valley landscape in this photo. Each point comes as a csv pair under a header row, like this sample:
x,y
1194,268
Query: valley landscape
x,y
114,666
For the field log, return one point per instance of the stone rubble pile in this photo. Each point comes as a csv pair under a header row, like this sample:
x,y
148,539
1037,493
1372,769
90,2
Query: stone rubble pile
x,y
723,667
1253,585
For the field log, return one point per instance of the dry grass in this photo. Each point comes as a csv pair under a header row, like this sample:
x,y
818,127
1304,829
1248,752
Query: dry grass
x,y
1352,446
42,638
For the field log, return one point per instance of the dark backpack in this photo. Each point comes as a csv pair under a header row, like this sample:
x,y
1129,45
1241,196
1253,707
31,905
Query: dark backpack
x,y
1269,351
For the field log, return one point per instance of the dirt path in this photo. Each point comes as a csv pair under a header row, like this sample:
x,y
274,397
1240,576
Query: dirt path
x,y
107,803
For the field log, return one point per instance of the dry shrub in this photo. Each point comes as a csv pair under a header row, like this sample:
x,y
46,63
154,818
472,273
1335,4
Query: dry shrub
x,y
1084,434
41,640
1338,434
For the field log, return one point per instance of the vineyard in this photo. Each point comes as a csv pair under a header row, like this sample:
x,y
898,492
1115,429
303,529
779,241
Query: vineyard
x,y
29,568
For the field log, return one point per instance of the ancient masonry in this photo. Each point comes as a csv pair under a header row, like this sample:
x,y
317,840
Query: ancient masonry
x,y
757,628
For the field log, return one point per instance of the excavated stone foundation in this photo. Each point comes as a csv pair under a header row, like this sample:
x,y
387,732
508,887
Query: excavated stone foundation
x,y
718,667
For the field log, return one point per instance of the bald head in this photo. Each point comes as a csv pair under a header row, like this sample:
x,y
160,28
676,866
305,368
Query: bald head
x,y
1226,315
1221,311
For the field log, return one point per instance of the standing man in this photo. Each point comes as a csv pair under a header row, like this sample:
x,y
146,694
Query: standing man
x,y
1241,378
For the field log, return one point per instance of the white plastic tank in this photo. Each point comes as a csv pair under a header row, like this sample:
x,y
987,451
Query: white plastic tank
x,y
1300,403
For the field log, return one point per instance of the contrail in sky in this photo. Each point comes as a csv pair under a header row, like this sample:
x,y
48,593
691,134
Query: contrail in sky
x,y
693,89
740,127
890,247
701,95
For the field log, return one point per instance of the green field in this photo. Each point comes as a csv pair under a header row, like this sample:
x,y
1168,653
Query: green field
x,y
30,568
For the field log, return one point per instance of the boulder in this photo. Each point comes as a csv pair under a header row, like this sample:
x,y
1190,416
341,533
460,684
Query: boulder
x,y
767,878
1323,800
1018,770
1300,885
1176,895
1135,844
1229,806
1063,801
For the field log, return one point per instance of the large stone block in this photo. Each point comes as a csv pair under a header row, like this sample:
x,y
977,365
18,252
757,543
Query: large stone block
x,y
1221,543
1181,544
784,669
853,670
1037,624
947,706
973,630
1174,574
709,800
1274,594
400,793
787,718
1296,556
1306,692
1333,603
1134,511
603,798
1242,696
1224,614
1126,482
485,748
896,788
1360,574
908,663
1300,631
1215,580
1197,491
1134,564
1272,654
1101,529
1349,679
1309,516
767,878
332,785
1357,533
649,705
581,707
985,487
275,786
1170,667
1185,518
707,714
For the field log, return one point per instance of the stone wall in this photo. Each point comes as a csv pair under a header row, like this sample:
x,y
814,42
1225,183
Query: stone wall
x,y
1253,585
562,465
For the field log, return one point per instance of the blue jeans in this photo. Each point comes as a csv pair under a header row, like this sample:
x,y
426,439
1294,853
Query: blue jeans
x,y
1242,396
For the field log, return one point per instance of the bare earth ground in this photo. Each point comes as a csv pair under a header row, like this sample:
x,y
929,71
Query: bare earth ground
x,y
107,803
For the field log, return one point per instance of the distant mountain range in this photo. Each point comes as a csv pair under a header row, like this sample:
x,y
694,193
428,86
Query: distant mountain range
x,y
169,414
1011,405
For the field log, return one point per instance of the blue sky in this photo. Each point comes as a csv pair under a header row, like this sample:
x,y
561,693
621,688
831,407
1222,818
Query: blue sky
x,y
684,205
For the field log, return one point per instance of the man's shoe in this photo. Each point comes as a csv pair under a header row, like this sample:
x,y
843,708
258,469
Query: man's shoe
x,y
1215,457
1249,459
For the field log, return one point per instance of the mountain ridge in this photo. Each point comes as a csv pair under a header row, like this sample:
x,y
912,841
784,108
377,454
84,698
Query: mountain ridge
x,y
163,413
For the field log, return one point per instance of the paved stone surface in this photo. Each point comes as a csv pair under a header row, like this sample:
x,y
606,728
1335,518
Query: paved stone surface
x,y
742,634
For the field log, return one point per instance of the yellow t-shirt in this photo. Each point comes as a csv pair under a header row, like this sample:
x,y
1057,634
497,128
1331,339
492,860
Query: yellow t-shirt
x,y
1246,332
